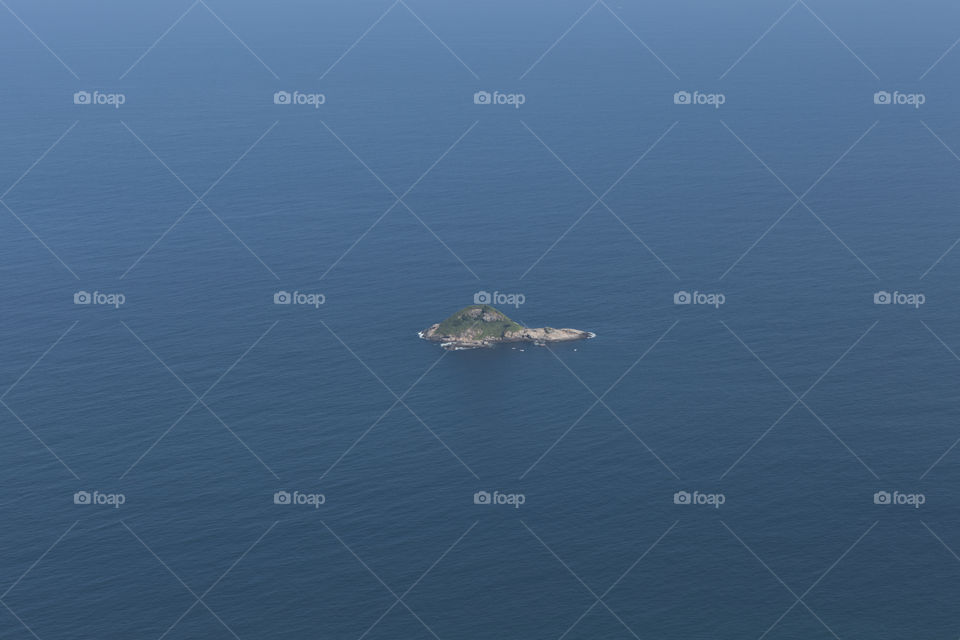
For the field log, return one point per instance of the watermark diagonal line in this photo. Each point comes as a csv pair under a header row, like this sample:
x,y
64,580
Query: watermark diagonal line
x,y
398,199
198,599
218,180
639,39
379,20
940,540
560,160
440,159
239,39
557,41
383,415
440,240
399,399
837,437
603,403
840,240
200,399
799,399
358,40
19,619
797,599
399,599
38,560
40,240
596,202
759,159
940,259
640,240
199,199
20,179
957,441
757,41
769,569
839,39
817,581
240,159
599,400
599,199
159,239
159,439
359,559
445,45
618,19
218,580
240,240
597,599
844,355
778,20
638,560
957,241
39,160
37,361
938,60
162,36
179,579
359,239
758,240
389,409
578,578
180,19
843,155
237,437
40,40
940,340
618,580
40,440
799,199
940,459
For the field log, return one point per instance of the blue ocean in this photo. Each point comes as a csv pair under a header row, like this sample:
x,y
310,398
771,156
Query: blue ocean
x,y
223,224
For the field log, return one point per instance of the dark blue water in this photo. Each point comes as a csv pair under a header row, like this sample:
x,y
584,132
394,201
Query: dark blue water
x,y
198,399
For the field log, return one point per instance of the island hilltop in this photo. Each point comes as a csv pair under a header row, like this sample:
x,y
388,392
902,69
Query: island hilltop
x,y
481,325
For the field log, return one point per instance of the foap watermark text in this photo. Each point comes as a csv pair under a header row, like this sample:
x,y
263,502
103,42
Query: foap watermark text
x,y
712,499
512,499
297,297
699,297
115,100
712,99
909,499
114,500
99,298
914,100
900,298
485,297
297,498
299,98
512,99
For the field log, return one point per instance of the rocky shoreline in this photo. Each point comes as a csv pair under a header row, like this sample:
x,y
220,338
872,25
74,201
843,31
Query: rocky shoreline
x,y
480,326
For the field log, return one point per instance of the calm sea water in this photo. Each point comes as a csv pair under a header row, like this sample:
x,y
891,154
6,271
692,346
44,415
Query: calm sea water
x,y
198,399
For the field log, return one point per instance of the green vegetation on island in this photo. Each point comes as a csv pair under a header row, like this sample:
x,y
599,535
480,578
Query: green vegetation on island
x,y
478,321
481,325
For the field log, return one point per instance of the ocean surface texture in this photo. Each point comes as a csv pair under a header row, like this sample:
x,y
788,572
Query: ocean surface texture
x,y
222,225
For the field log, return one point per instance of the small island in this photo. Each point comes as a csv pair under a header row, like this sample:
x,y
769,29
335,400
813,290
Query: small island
x,y
481,325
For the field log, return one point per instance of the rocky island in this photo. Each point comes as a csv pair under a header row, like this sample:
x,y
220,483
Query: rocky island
x,y
481,325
